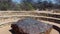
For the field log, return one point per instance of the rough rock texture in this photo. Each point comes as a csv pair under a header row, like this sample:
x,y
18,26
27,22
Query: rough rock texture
x,y
31,26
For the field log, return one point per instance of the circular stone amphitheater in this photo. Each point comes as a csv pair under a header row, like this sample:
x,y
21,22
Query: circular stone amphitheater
x,y
9,17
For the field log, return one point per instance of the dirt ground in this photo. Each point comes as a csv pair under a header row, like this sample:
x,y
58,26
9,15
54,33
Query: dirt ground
x,y
6,30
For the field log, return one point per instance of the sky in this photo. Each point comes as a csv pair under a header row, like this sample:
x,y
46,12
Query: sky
x,y
18,1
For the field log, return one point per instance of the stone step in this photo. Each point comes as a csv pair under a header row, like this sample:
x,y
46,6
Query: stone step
x,y
12,19
49,15
7,13
12,16
50,19
52,23
17,16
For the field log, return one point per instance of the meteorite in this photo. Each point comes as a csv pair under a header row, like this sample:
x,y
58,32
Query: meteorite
x,y
31,26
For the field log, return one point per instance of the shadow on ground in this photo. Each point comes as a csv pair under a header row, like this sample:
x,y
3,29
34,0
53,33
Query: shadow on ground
x,y
12,31
54,27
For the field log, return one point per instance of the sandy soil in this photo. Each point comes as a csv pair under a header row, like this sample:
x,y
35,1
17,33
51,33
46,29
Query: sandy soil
x,y
5,30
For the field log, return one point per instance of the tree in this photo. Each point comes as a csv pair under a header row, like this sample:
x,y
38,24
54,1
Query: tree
x,y
50,5
4,5
26,5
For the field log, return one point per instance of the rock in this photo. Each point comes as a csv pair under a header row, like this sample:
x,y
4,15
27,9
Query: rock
x,y
31,26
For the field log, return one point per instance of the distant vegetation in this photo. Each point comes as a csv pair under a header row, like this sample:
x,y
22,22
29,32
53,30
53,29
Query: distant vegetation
x,y
28,5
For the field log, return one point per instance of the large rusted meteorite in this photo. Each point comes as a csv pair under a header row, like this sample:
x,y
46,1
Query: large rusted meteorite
x,y
31,26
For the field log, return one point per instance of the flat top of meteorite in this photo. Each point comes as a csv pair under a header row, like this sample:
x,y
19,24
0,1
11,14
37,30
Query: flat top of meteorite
x,y
32,26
